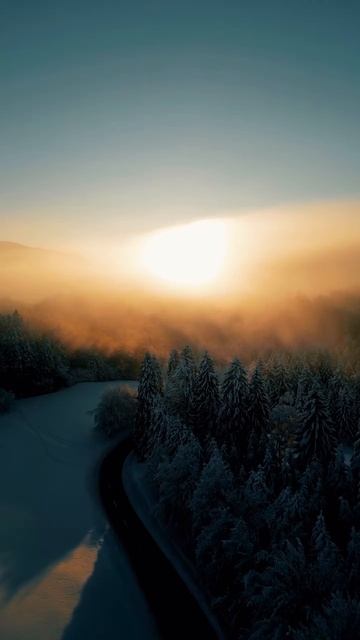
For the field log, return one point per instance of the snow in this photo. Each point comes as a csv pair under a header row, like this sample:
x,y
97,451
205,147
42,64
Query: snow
x,y
62,573
140,495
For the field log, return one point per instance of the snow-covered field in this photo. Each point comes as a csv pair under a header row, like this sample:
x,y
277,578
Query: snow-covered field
x,y
62,574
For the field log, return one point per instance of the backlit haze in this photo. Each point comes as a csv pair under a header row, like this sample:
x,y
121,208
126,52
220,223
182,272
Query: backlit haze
x,y
177,171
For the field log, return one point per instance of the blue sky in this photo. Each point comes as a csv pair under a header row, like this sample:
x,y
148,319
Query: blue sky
x,y
123,116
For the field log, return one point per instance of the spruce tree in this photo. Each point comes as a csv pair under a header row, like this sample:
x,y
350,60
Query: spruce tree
x,y
339,619
180,384
205,400
177,477
232,422
157,427
353,562
148,389
280,593
303,386
328,565
173,363
355,459
215,487
158,376
258,417
278,383
345,415
315,436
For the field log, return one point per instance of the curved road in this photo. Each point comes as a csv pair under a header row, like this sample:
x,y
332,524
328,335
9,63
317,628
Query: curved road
x,y
63,575
177,612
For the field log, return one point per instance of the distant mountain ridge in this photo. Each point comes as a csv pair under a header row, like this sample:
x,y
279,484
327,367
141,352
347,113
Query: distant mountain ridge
x,y
31,273
8,247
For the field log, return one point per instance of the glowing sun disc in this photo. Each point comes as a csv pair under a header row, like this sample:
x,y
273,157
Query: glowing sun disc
x,y
191,255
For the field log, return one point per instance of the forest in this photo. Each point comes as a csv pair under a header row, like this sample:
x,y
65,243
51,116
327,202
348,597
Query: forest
x,y
34,362
254,467
256,475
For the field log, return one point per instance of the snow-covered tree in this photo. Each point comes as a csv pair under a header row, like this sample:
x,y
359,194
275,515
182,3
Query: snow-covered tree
x,y
316,436
258,416
149,387
328,565
158,426
177,478
215,487
324,367
353,562
180,384
239,545
116,411
173,363
303,386
355,459
288,513
346,415
311,486
232,421
280,593
158,375
205,401
209,550
284,422
339,619
278,381
272,566
256,497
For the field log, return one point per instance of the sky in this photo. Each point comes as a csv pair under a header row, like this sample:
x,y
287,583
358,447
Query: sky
x,y
120,117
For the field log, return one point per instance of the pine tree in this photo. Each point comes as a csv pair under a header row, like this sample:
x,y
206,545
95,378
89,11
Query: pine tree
x,y
204,401
315,436
148,389
232,421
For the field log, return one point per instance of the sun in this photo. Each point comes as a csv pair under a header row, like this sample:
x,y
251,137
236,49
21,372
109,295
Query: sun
x,y
187,256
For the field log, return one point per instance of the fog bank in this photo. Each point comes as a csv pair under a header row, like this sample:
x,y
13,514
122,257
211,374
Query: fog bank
x,y
291,279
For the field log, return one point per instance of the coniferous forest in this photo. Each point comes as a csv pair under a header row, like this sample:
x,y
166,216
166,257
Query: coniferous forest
x,y
256,473
34,362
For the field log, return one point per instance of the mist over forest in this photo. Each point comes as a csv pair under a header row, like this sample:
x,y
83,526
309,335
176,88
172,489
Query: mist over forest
x,y
291,282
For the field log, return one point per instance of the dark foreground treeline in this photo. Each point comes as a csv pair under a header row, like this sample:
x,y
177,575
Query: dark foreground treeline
x,y
32,362
251,478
